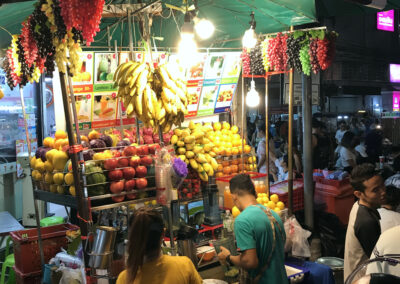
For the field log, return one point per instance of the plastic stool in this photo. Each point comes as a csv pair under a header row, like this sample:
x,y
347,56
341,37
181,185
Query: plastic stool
x,y
51,221
8,262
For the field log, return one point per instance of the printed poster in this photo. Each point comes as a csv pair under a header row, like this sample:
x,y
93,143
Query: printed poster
x,y
196,71
225,96
214,66
105,65
82,82
208,97
194,92
104,109
232,68
83,105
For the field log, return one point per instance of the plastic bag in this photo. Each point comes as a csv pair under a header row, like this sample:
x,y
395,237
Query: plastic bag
x,y
72,276
296,238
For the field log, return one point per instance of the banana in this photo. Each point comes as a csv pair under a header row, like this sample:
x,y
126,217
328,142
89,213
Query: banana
x,y
123,69
142,81
137,72
132,92
128,73
138,103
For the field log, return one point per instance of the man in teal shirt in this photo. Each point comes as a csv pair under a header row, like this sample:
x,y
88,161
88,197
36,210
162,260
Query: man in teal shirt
x,y
255,232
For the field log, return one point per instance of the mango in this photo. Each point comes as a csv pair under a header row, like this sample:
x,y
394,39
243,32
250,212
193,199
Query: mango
x,y
48,166
60,158
69,178
58,178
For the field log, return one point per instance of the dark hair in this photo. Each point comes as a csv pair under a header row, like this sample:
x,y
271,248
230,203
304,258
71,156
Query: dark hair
x,y
392,196
146,229
261,126
347,140
360,174
342,122
242,184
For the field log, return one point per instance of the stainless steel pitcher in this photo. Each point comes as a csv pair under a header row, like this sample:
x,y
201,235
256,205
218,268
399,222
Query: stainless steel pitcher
x,y
103,247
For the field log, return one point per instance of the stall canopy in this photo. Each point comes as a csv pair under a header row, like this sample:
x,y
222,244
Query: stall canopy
x,y
230,18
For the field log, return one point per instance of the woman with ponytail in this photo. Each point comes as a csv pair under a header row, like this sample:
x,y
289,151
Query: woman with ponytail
x,y
146,264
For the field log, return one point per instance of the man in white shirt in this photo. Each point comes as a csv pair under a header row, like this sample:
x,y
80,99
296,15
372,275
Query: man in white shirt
x,y
340,132
389,217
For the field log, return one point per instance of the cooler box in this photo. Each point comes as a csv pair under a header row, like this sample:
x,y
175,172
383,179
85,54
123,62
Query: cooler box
x,y
26,247
223,182
337,195
281,189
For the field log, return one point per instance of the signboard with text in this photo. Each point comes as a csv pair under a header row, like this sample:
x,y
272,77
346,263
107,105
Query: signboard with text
x,y
385,21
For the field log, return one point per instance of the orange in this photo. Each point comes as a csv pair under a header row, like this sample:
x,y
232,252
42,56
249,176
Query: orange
x,y
234,169
48,142
225,164
236,137
275,198
60,134
247,149
235,151
58,144
84,138
220,168
271,205
217,126
235,162
219,174
227,170
241,167
280,205
228,152
226,125
229,144
235,129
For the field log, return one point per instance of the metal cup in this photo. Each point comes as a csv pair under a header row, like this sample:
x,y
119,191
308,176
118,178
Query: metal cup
x,y
103,247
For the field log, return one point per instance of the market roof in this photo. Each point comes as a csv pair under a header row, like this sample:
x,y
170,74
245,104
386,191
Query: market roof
x,y
231,18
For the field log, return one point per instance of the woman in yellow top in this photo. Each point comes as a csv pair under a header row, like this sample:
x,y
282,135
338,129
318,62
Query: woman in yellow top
x,y
146,264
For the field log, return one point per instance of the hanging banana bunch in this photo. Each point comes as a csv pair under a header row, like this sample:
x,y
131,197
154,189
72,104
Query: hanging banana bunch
x,y
157,98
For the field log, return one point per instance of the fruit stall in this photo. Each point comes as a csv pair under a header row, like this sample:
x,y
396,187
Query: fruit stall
x,y
144,128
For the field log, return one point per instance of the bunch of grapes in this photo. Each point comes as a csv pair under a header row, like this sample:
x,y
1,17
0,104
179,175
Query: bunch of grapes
x,y
277,52
283,51
13,66
28,43
40,28
9,73
25,69
292,52
256,61
264,48
58,20
245,62
82,15
305,60
326,50
313,55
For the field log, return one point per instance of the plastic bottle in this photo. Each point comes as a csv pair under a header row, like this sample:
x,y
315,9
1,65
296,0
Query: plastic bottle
x,y
228,201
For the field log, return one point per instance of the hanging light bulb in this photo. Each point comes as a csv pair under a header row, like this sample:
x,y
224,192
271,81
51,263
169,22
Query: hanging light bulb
x,y
204,28
250,39
187,47
252,97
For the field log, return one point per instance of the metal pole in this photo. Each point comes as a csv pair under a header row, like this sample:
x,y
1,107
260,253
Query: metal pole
x,y
307,153
130,36
83,208
290,142
28,142
267,133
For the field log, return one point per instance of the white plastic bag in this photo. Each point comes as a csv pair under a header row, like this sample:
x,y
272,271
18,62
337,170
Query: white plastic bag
x,y
296,238
72,276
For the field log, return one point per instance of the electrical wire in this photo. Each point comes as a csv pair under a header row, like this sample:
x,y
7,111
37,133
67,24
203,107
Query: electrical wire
x,y
3,28
177,26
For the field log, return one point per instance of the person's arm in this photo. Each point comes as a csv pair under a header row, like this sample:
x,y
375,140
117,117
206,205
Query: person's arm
x,y
261,161
367,233
314,141
247,259
194,275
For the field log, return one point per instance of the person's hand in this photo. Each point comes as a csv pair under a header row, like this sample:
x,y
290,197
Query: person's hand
x,y
223,254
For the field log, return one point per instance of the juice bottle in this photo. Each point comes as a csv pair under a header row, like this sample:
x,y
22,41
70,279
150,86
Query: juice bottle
x,y
228,201
103,103
262,187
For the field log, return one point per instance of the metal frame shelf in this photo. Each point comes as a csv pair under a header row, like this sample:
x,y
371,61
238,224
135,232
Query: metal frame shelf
x,y
60,199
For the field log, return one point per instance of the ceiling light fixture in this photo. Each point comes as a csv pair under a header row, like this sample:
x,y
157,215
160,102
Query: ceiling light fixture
x,y
252,97
204,28
250,39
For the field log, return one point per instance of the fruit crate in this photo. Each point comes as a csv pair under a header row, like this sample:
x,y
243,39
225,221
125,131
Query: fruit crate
x,y
26,246
27,278
281,189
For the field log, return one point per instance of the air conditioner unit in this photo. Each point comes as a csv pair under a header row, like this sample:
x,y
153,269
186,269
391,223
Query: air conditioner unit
x,y
376,4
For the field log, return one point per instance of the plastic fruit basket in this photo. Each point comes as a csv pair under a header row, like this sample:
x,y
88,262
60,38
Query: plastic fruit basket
x,y
26,246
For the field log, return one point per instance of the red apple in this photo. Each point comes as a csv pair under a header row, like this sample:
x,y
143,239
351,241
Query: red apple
x,y
110,164
115,175
129,173
130,185
134,161
123,162
129,151
143,150
153,148
146,160
189,195
117,186
141,171
118,198
131,196
116,153
141,183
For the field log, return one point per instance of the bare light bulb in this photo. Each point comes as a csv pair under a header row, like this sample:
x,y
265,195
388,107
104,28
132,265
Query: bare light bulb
x,y
187,48
204,28
249,39
252,97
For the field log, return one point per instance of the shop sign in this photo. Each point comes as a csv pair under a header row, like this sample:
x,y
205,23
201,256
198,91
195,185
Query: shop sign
x,y
394,73
385,21
396,101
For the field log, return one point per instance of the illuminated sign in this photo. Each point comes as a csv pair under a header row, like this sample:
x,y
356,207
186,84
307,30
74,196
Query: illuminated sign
x,y
396,101
385,21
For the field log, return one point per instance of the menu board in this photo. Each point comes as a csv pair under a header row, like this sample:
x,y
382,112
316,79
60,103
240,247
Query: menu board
x,y
105,65
83,81
208,97
104,109
225,95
